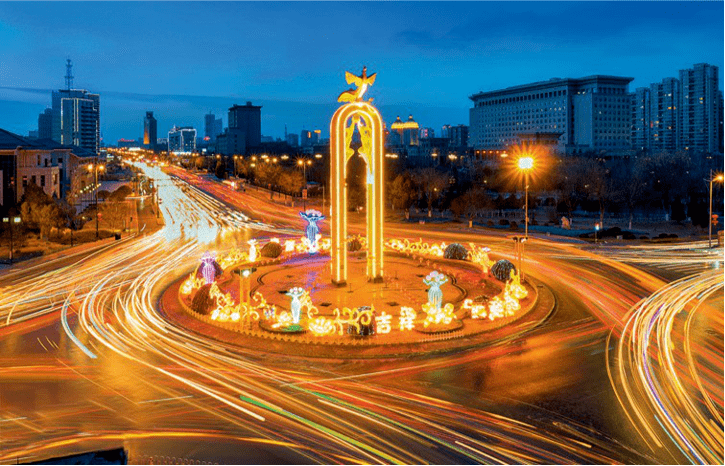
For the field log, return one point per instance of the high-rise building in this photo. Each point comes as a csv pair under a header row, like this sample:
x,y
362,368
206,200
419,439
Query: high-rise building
x,y
182,139
309,138
245,129
446,131
292,140
149,131
586,114
76,118
458,136
407,131
641,119
45,124
701,99
426,133
664,114
212,127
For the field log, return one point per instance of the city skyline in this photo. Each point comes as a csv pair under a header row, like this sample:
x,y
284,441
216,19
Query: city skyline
x,y
429,74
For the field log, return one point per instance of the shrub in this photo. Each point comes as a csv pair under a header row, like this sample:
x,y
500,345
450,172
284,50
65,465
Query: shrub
x,y
502,270
672,235
456,251
354,245
271,250
202,302
503,222
489,223
628,235
514,226
644,237
663,235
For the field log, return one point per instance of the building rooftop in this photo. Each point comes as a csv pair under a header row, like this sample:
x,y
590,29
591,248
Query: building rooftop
x,y
11,141
555,82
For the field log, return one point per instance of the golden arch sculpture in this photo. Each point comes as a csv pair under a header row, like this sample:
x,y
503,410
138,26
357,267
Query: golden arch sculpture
x,y
364,117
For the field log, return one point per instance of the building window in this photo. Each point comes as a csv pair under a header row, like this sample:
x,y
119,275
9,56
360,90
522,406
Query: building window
x,y
42,180
33,179
55,179
25,180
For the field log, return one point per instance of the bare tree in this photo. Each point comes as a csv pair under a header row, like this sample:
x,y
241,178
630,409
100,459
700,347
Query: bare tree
x,y
400,193
432,183
470,204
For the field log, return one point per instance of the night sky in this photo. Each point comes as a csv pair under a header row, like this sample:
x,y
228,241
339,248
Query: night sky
x,y
181,60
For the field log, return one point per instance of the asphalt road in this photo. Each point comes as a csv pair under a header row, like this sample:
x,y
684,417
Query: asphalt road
x,y
87,362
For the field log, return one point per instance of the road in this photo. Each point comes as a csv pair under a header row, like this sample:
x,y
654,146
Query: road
x,y
90,362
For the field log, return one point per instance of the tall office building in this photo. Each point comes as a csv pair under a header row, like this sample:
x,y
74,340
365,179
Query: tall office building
x,y
701,101
149,131
212,127
182,139
426,133
245,129
446,131
76,118
292,139
641,119
664,130
458,135
309,138
586,114
45,124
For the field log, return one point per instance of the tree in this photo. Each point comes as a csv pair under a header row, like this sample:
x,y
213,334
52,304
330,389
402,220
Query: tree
x,y
220,172
39,211
400,193
599,185
432,183
630,184
470,203
114,212
570,181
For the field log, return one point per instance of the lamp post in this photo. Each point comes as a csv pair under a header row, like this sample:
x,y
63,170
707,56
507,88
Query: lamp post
x,y
713,178
526,164
95,168
304,163
10,221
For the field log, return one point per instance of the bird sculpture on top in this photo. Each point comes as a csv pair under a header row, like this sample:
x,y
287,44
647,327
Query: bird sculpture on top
x,y
362,83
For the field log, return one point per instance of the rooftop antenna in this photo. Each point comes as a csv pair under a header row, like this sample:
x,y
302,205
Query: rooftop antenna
x,y
68,74
285,131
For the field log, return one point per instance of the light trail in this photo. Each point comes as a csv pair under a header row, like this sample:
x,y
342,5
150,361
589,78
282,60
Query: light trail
x,y
667,402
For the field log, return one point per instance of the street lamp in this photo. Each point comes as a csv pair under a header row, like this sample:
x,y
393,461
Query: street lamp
x,y
713,178
10,221
95,168
304,163
526,164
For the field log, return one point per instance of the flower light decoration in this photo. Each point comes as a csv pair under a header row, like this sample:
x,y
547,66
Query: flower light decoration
x,y
406,319
191,283
321,327
515,288
312,231
479,255
436,312
208,271
289,245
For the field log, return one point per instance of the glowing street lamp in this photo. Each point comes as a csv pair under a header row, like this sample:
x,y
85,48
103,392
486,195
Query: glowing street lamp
x,y
526,165
713,178
95,169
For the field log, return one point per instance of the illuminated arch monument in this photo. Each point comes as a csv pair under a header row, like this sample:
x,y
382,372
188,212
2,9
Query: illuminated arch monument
x,y
364,117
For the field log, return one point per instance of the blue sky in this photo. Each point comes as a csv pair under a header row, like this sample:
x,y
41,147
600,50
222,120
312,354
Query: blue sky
x,y
183,59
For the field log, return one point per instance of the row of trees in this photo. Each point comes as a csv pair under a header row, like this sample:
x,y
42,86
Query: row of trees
x,y
667,183
267,174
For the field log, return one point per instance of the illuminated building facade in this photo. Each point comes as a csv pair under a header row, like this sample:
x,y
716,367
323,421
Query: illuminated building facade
x,y
664,115
309,138
641,119
149,131
76,118
591,113
407,132
182,139
364,119
701,104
